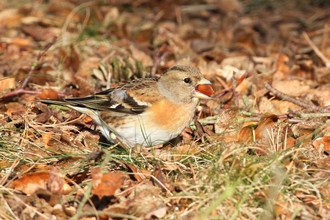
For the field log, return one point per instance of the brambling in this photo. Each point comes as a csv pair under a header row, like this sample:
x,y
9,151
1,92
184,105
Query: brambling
x,y
145,111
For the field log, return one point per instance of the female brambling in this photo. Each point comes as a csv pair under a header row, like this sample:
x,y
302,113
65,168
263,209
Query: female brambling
x,y
146,111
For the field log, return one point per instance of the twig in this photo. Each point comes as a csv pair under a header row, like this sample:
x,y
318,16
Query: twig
x,y
234,85
4,179
33,67
314,115
109,214
178,16
316,50
292,99
324,38
200,7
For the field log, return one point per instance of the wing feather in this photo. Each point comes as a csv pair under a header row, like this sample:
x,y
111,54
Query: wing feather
x,y
133,98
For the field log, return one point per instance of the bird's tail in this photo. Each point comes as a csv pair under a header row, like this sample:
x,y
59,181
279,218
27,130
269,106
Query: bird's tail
x,y
53,102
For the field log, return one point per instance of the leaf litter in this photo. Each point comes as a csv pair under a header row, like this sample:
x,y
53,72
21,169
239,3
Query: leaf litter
x,y
259,149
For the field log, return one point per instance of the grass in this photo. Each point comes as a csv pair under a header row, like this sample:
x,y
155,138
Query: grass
x,y
235,185
212,181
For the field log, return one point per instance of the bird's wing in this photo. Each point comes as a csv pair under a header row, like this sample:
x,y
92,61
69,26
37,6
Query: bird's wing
x,y
133,98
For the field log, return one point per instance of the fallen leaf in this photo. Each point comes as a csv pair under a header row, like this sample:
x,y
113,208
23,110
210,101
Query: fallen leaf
x,y
245,135
322,143
48,94
46,137
43,113
138,175
15,108
141,56
292,87
161,180
7,84
55,181
29,183
10,17
105,184
144,200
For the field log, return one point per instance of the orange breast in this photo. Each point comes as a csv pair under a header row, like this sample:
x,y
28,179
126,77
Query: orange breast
x,y
171,116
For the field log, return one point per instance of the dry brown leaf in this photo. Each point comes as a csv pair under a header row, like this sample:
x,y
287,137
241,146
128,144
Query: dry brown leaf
x,y
181,151
105,184
245,135
242,86
266,106
84,75
292,87
141,56
200,45
265,123
29,183
39,33
268,134
48,94
228,6
138,175
10,17
7,84
225,122
322,143
281,206
282,66
55,182
72,59
228,72
15,108
144,200
161,180
284,106
46,137
322,96
44,115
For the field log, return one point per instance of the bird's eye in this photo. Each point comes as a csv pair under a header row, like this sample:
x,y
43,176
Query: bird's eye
x,y
187,80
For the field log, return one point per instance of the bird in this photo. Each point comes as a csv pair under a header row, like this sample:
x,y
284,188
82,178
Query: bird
x,y
145,111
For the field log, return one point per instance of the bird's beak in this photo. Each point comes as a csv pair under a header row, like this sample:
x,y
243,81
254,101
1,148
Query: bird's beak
x,y
203,89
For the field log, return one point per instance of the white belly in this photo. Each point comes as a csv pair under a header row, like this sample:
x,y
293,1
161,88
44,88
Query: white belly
x,y
141,133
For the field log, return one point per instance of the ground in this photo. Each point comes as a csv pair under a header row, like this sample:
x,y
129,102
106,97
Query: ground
x,y
258,150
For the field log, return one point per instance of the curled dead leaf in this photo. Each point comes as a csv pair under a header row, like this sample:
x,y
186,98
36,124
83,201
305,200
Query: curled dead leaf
x,y
48,94
29,183
105,184
7,84
144,201
322,143
55,182
46,138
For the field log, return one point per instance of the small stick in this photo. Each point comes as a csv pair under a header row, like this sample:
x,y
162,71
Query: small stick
x,y
314,115
324,38
290,98
234,85
316,50
34,65
178,16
